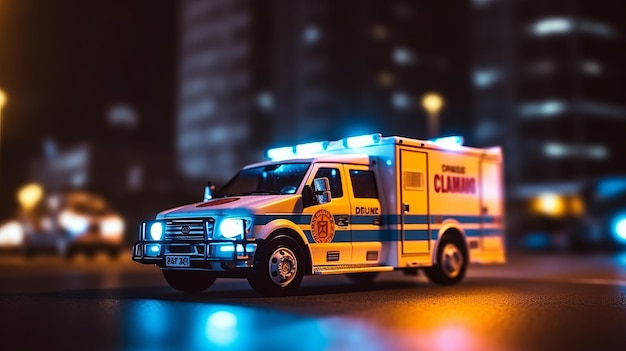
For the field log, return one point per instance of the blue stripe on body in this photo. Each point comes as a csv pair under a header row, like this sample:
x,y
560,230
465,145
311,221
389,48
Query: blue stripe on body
x,y
383,235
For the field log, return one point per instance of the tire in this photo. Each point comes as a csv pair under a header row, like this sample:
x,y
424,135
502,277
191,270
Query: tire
x,y
191,282
278,267
362,278
452,260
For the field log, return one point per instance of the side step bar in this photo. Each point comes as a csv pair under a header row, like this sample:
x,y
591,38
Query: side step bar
x,y
342,269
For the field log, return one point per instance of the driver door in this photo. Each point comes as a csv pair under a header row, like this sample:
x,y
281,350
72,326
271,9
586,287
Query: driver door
x,y
329,231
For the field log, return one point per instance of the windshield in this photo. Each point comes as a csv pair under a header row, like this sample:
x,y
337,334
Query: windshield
x,y
275,179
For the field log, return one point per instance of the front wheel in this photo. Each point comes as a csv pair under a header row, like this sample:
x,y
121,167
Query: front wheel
x,y
278,268
452,260
190,282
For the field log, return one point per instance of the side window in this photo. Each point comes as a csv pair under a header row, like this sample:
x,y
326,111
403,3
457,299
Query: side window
x,y
334,178
363,184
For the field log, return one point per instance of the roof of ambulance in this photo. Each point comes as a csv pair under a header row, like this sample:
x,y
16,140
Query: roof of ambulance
x,y
362,156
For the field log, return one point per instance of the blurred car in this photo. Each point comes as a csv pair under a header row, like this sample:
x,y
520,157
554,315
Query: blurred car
x,y
66,224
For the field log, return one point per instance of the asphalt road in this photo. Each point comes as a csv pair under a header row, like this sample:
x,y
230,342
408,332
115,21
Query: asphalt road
x,y
534,302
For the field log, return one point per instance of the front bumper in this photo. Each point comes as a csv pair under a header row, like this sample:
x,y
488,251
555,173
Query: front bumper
x,y
209,255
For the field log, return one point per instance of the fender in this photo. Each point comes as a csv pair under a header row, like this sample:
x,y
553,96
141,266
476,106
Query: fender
x,y
447,224
263,231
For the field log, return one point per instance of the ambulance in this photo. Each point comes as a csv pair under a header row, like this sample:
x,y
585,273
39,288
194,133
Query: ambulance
x,y
356,206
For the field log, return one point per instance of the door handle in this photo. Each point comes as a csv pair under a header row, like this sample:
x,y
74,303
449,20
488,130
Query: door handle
x,y
342,221
405,207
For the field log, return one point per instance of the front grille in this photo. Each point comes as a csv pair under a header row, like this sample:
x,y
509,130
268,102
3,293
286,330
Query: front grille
x,y
187,229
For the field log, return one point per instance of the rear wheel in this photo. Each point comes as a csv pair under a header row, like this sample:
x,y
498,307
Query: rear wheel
x,y
278,268
189,281
452,260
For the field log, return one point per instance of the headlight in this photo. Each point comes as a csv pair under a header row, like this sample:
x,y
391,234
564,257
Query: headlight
x,y
11,233
73,222
232,227
156,230
112,226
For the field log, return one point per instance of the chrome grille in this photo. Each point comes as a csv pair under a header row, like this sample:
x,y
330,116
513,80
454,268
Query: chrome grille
x,y
186,229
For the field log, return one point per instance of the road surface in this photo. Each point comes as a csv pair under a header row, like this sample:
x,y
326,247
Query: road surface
x,y
534,302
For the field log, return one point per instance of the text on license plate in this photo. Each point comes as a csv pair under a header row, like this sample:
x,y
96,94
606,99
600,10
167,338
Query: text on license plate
x,y
177,261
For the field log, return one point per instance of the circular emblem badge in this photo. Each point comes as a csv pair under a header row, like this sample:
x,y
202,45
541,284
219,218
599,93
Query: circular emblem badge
x,y
185,229
323,226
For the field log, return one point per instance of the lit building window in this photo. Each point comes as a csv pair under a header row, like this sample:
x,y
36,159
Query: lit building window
x,y
563,25
555,25
551,108
403,56
311,35
543,109
486,77
601,109
122,115
590,67
265,101
400,100
561,150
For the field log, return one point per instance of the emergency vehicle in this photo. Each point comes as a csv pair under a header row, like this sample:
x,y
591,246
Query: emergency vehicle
x,y
356,206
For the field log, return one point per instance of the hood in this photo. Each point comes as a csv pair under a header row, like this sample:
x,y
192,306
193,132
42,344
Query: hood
x,y
239,205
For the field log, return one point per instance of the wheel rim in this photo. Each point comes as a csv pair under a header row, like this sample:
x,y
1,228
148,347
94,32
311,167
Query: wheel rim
x,y
283,266
452,260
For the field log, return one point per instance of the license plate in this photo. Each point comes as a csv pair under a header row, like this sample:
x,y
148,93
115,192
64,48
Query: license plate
x,y
177,261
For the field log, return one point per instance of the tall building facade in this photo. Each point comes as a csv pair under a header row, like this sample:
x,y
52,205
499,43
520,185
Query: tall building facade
x,y
220,71
548,83
255,74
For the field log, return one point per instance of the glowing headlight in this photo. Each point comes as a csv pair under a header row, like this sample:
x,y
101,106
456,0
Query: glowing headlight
x,y
619,228
112,226
73,222
231,227
11,233
156,230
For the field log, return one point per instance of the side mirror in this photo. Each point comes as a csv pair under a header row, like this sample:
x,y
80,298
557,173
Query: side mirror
x,y
318,194
321,187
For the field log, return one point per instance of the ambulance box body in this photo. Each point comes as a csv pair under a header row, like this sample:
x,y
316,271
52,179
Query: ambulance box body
x,y
356,206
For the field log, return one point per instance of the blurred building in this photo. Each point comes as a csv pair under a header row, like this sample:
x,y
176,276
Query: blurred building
x,y
224,64
255,74
126,174
548,83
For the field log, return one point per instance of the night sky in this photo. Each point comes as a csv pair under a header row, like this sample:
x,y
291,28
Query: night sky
x,y
63,63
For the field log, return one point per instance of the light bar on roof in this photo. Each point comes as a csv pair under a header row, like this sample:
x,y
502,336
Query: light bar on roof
x,y
449,142
362,140
311,148
281,153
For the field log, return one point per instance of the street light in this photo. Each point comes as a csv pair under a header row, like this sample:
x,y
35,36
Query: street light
x,y
432,103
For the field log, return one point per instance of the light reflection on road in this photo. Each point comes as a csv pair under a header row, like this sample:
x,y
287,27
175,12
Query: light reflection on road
x,y
165,325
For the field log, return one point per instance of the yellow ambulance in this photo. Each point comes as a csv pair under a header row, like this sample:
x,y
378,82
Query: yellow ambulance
x,y
357,206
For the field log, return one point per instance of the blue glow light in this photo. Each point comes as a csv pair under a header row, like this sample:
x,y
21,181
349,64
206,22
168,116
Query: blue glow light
x,y
232,227
619,228
310,148
156,231
221,328
281,153
155,248
362,140
450,142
